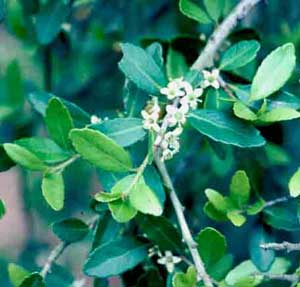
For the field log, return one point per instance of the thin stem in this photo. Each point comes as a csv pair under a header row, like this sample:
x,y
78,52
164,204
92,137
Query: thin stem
x,y
284,246
54,255
64,164
186,233
205,59
276,201
59,249
293,278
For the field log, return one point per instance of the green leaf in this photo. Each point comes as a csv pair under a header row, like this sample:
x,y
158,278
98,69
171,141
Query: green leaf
x,y
284,100
211,246
135,99
193,11
5,161
70,230
14,88
17,274
274,72
256,207
24,157
239,55
279,114
59,122
243,112
221,268
161,232
283,216
176,64
294,184
107,196
45,149
156,51
217,200
122,210
144,199
194,77
236,218
53,190
276,155
213,213
263,259
2,209
49,21
247,269
100,150
153,180
188,279
33,280
214,8
240,188
115,257
221,127
141,68
124,131
40,100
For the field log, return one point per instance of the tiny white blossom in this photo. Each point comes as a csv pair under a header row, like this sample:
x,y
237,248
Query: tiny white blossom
x,y
176,115
169,260
211,79
150,121
192,98
173,90
95,120
167,154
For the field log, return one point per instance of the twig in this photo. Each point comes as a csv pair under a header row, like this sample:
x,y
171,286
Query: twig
x,y
285,246
54,255
293,278
59,249
205,59
186,233
276,201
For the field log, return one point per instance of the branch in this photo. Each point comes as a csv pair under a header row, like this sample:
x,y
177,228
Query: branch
x,y
54,255
285,246
215,41
59,249
276,201
293,278
186,233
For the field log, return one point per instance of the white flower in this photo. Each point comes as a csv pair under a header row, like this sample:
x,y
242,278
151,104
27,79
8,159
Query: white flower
x,y
211,79
150,121
169,261
174,89
176,115
95,120
167,154
192,98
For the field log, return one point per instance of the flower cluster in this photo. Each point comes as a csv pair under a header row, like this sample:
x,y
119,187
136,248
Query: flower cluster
x,y
182,98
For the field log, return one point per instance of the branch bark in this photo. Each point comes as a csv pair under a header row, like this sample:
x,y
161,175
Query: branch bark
x,y
186,233
205,59
284,246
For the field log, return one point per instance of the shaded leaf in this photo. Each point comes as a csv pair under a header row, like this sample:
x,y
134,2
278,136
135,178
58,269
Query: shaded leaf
x,y
221,127
115,257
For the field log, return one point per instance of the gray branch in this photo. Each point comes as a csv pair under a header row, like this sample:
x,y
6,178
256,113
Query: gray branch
x,y
284,246
186,233
206,58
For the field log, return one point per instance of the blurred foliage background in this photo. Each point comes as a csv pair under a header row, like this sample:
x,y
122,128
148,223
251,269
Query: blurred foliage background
x,y
71,49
